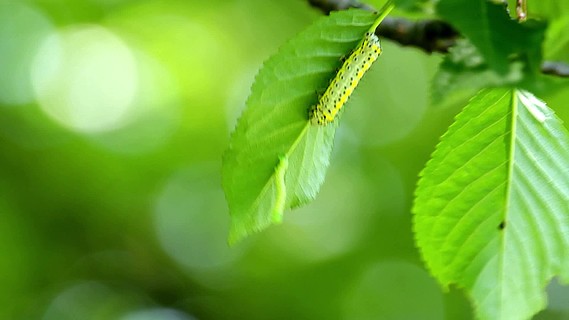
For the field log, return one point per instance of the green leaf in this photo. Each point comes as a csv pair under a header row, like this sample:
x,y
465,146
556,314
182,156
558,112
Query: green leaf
x,y
488,26
463,72
491,208
276,159
556,46
548,9
409,5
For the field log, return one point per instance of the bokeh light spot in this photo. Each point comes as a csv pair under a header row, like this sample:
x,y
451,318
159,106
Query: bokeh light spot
x,y
157,114
380,113
21,30
88,300
334,223
85,78
192,221
157,314
394,290
238,93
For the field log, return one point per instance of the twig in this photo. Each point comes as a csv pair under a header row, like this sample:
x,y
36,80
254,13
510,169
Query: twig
x,y
555,68
336,5
429,35
521,9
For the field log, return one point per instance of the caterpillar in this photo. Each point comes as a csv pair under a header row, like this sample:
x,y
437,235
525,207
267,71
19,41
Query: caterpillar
x,y
346,80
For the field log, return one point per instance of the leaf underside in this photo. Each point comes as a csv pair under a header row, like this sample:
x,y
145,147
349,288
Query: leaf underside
x,y
491,212
274,128
499,38
497,51
463,72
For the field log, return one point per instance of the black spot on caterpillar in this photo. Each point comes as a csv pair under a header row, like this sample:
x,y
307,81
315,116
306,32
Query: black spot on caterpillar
x,y
346,80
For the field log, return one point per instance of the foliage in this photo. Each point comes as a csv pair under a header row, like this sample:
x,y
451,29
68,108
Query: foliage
x,y
491,206
498,51
491,212
494,33
275,126
114,116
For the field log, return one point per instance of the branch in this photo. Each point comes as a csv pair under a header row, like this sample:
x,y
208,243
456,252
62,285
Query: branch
x,y
555,68
336,5
521,10
430,35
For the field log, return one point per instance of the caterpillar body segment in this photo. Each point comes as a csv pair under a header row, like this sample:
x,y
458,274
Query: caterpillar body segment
x,y
346,80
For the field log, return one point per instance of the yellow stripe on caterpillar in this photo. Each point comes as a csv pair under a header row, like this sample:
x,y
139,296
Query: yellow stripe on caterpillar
x,y
346,80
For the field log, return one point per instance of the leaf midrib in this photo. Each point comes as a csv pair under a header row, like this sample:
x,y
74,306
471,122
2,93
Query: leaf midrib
x,y
514,114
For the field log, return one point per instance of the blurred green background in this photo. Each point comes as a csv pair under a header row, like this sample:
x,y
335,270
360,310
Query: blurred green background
x,y
114,115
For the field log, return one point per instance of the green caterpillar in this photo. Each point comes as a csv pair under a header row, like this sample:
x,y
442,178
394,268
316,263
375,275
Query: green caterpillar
x,y
346,80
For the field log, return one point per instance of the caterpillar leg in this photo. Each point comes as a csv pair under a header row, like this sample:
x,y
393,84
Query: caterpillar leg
x,y
316,116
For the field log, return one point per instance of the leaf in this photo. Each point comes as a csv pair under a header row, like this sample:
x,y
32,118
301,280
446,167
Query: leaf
x,y
491,212
463,72
276,159
556,46
488,26
548,9
410,5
